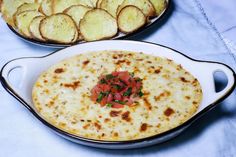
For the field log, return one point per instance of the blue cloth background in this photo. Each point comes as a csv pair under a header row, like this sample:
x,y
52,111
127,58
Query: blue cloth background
x,y
185,28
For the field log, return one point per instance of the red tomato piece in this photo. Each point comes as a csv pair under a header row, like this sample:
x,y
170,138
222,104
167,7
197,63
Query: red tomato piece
x,y
116,105
118,88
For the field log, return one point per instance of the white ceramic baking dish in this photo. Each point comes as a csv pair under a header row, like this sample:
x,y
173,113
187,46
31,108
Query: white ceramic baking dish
x,y
203,70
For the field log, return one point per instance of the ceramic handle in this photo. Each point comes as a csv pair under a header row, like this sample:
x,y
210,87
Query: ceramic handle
x,y
230,74
9,67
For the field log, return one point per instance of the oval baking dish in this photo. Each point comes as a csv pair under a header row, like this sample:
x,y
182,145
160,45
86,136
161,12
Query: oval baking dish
x,y
32,67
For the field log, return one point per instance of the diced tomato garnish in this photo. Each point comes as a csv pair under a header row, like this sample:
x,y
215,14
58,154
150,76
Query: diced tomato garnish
x,y
104,87
117,89
128,101
118,96
115,73
109,98
103,102
94,93
113,89
124,76
117,105
138,85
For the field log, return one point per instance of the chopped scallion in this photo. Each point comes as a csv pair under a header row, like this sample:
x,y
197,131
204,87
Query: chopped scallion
x,y
131,74
140,93
109,76
120,102
103,81
100,96
117,87
109,105
128,92
138,79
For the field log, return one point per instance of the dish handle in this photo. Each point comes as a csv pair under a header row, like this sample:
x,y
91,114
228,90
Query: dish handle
x,y
231,80
22,64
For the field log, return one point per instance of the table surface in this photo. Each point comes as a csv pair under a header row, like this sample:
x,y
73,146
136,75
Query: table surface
x,y
207,32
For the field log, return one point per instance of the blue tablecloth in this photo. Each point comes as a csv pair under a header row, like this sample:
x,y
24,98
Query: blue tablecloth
x,y
186,28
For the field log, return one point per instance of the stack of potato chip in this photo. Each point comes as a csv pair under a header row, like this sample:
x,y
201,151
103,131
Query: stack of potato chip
x,y
70,21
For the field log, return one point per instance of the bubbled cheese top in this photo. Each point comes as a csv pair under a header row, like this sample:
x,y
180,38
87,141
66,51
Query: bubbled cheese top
x,y
62,96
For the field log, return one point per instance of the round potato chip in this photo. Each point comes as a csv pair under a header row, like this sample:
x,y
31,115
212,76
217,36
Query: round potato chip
x,y
34,28
98,24
59,28
130,19
23,19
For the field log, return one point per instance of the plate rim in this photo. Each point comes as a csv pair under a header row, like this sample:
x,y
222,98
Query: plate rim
x,y
8,88
58,45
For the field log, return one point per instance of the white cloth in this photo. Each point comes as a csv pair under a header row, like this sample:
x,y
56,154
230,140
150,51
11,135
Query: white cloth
x,y
188,29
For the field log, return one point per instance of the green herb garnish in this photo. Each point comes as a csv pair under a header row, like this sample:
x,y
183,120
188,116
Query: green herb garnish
x,y
117,87
109,76
138,79
100,96
131,74
103,81
106,93
128,92
109,105
140,94
122,81
120,102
